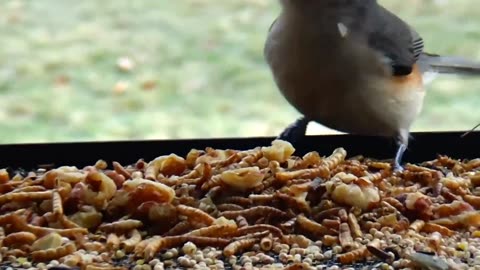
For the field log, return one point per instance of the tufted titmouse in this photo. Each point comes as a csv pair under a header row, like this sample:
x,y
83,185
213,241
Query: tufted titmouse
x,y
353,66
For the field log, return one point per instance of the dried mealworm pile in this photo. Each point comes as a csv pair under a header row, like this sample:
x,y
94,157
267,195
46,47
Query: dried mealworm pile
x,y
264,208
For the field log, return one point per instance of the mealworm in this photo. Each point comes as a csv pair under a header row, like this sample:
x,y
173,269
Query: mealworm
x,y
179,228
432,227
53,253
389,207
311,226
266,184
94,246
327,213
129,244
353,256
402,225
17,253
289,225
117,178
242,201
345,236
332,223
416,168
298,239
254,156
330,240
217,230
379,165
354,226
260,227
266,243
303,206
193,177
229,207
373,177
342,214
473,200
22,225
29,189
214,181
261,198
57,204
19,238
256,235
241,221
25,196
100,164
67,223
338,155
185,180
237,246
321,171
388,220
4,176
417,225
140,247
255,211
121,170
121,225
195,214
113,241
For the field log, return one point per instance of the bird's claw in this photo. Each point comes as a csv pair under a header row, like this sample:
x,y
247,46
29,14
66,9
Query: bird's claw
x,y
294,131
397,168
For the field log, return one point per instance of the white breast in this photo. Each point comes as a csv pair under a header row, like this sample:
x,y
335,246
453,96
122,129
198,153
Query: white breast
x,y
429,77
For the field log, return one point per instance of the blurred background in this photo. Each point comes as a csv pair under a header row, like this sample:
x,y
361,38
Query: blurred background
x,y
121,70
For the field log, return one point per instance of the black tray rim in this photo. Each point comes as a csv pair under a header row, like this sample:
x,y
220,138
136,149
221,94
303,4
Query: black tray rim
x,y
413,135
422,146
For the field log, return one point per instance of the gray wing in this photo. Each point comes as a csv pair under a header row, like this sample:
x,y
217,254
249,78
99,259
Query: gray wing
x,y
271,25
396,40
399,43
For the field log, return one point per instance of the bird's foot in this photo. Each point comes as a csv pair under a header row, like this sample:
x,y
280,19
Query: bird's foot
x,y
294,131
397,167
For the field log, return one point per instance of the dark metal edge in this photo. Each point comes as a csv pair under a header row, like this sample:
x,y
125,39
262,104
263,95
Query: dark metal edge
x,y
423,146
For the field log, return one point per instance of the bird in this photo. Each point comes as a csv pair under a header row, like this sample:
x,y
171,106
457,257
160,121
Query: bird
x,y
355,67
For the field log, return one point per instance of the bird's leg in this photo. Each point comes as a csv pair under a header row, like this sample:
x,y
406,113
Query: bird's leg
x,y
398,157
402,141
295,131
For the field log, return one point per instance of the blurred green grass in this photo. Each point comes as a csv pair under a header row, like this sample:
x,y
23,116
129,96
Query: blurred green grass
x,y
198,69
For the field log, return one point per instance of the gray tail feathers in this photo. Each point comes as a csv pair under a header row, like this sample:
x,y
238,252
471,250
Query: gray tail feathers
x,y
450,64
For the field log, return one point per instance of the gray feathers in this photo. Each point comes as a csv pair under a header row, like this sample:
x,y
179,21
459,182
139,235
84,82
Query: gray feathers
x,y
395,39
399,44
449,65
